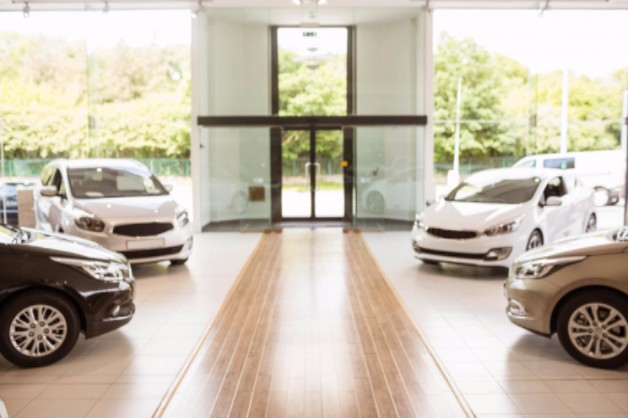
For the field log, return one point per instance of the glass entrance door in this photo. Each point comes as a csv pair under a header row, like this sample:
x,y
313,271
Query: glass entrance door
x,y
312,174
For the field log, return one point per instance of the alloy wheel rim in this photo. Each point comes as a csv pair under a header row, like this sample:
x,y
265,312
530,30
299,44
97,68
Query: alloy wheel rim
x,y
38,330
598,331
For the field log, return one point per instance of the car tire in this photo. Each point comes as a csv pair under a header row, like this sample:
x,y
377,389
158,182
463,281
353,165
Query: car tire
x,y
21,328
596,344
535,240
591,225
178,262
601,196
375,202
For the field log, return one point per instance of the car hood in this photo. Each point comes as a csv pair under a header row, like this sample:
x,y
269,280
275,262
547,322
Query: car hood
x,y
48,244
470,215
594,243
146,208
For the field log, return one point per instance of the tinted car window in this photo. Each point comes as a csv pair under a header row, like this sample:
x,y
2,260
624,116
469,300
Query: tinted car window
x,y
101,182
561,163
509,191
555,187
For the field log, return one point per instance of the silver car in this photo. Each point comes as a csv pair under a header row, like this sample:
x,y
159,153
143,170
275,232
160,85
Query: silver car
x,y
577,288
117,203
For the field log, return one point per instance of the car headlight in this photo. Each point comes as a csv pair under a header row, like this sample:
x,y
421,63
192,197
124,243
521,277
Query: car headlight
x,y
538,269
182,217
100,270
87,221
504,228
419,224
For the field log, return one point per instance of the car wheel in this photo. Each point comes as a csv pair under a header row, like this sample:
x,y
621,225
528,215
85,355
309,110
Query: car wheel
x,y
601,196
375,202
178,262
593,328
591,224
38,329
239,202
535,240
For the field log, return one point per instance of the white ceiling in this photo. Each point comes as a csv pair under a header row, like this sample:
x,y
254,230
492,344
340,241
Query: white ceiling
x,y
7,5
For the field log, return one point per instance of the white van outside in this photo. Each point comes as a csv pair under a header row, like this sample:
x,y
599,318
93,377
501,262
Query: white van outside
x,y
604,171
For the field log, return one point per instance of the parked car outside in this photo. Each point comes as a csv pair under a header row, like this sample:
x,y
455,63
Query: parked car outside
x,y
52,287
8,200
603,171
577,288
117,203
495,215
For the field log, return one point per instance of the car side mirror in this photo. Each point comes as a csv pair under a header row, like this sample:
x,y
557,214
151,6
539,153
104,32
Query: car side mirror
x,y
49,191
553,201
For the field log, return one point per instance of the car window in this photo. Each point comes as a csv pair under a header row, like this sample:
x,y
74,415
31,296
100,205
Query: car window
x,y
562,163
101,182
56,180
508,191
6,235
555,187
45,176
531,163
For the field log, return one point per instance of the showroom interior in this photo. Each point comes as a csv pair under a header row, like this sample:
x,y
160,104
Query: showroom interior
x,y
302,294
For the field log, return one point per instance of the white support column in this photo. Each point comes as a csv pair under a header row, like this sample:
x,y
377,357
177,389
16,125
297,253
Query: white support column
x,y
196,55
428,96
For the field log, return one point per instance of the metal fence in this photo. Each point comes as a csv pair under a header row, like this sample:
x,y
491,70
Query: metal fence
x,y
163,167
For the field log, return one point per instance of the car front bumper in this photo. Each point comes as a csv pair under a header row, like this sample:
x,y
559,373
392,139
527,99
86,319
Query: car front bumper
x,y
175,244
529,303
474,251
110,309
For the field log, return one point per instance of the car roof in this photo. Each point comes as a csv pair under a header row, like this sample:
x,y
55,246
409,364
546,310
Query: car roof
x,y
517,173
119,163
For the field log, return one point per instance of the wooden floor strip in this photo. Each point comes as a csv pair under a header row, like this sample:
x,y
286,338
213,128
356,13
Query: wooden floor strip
x,y
311,328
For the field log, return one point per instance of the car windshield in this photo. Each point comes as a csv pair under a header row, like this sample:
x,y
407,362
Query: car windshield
x,y
102,182
507,191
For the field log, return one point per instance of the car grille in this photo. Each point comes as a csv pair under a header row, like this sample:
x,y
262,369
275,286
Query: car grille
x,y
156,252
473,256
142,230
451,234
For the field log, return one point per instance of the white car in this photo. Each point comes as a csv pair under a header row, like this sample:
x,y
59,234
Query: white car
x,y
494,216
117,203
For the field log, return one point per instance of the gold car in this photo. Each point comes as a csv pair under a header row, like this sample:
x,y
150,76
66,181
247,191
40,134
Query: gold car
x,y
577,288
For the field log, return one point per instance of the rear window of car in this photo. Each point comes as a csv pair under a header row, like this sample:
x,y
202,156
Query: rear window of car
x,y
563,163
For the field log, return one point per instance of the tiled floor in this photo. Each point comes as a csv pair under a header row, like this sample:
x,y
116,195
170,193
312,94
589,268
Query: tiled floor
x,y
500,369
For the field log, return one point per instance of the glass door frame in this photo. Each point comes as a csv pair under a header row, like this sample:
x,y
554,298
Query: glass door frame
x,y
313,178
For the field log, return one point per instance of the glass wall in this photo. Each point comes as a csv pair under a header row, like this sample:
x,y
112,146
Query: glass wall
x,y
237,177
